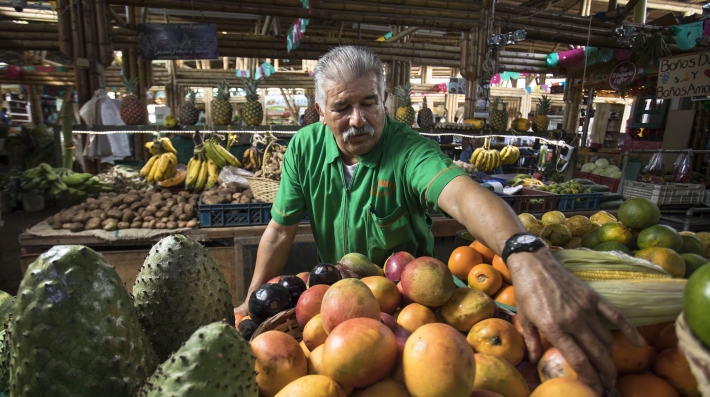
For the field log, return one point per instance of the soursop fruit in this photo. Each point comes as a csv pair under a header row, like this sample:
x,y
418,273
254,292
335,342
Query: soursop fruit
x,y
7,301
3,373
178,290
216,361
75,331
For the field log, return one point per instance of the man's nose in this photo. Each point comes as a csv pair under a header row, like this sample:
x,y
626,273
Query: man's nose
x,y
357,118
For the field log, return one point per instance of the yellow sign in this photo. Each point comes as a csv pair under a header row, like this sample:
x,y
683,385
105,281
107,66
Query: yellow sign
x,y
684,76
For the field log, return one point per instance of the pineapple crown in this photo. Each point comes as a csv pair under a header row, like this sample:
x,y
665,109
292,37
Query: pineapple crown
x,y
250,86
498,102
131,85
403,92
223,91
191,94
544,105
424,104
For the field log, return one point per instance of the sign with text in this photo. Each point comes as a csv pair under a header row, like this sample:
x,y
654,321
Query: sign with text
x,y
684,76
177,41
622,74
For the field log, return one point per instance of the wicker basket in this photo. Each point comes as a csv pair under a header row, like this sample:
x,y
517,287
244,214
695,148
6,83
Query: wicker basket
x,y
264,189
284,322
698,356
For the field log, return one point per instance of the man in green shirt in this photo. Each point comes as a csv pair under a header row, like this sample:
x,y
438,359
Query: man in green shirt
x,y
367,181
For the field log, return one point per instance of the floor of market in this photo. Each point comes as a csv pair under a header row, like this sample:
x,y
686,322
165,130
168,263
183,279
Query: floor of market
x,y
14,223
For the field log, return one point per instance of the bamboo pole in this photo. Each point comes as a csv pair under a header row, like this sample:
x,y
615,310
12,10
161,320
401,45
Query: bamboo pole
x,y
82,78
502,10
67,116
403,33
546,23
88,15
117,18
519,61
103,26
563,36
527,55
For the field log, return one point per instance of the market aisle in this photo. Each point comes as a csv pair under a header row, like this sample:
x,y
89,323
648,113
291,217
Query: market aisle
x,y
15,223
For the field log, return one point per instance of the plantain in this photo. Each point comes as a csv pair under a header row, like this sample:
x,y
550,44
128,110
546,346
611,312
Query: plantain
x,y
226,155
213,155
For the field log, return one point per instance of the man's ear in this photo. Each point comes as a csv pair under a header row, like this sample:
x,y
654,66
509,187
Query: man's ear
x,y
384,102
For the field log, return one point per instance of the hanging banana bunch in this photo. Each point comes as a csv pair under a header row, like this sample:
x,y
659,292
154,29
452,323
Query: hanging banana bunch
x,y
509,154
163,164
486,159
197,167
252,159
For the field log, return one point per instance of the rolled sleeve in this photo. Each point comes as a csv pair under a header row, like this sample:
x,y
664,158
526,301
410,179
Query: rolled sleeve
x,y
289,205
429,171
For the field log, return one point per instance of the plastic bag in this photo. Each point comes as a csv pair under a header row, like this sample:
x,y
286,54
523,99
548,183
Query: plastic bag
x,y
682,168
653,172
235,174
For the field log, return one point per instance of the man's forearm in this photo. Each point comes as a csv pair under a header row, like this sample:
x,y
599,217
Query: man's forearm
x,y
272,253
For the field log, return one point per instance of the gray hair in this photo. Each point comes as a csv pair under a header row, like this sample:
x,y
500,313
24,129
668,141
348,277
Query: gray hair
x,y
346,64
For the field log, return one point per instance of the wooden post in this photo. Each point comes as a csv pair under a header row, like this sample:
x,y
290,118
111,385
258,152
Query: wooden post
x,y
65,28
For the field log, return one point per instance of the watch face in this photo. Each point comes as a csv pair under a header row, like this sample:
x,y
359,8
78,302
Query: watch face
x,y
526,239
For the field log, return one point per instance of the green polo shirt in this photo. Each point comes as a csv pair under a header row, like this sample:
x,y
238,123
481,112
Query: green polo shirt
x,y
384,209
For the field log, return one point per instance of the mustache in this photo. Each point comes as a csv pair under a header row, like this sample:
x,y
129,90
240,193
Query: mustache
x,y
353,131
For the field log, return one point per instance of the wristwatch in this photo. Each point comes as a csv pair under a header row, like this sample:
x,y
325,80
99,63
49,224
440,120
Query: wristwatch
x,y
521,242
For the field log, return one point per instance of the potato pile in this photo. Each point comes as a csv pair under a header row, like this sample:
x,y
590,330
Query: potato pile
x,y
229,193
155,209
272,163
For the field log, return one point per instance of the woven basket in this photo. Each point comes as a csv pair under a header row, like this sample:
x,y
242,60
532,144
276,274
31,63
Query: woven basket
x,y
284,322
698,356
264,189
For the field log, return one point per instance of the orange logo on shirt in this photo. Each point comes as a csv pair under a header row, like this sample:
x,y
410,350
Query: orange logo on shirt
x,y
383,188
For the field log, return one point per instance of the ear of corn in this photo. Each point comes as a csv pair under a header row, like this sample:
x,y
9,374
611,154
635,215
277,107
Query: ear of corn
x,y
594,265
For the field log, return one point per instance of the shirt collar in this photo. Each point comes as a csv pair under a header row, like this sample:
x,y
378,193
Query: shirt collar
x,y
369,159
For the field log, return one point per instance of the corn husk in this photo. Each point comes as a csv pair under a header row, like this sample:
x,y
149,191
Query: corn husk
x,y
590,265
643,302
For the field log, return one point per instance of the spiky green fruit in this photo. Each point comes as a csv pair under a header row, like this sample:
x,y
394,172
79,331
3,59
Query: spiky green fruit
x,y
179,289
6,304
216,361
4,374
75,331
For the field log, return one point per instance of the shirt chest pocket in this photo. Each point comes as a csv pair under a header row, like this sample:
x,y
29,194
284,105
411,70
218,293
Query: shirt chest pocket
x,y
389,234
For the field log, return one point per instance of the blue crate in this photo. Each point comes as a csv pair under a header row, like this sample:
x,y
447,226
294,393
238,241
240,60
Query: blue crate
x,y
579,202
248,214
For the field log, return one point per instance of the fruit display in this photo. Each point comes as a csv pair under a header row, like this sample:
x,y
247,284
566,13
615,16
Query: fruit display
x,y
602,167
209,157
509,155
525,181
486,159
228,193
271,163
152,209
311,115
163,164
521,125
189,114
499,115
541,121
405,111
425,118
221,110
133,110
253,111
570,187
62,180
122,179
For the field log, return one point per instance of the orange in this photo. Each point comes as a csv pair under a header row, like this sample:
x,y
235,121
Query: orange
x,y
672,366
645,385
627,358
552,365
502,268
666,338
497,337
414,316
462,260
519,327
485,278
563,387
506,295
650,332
666,258
486,252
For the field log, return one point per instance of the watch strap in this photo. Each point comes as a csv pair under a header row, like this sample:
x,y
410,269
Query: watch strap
x,y
511,248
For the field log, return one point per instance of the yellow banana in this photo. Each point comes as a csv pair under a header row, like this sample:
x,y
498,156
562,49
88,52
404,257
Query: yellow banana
x,y
163,165
475,155
212,174
229,157
151,147
167,145
201,176
213,155
154,170
149,165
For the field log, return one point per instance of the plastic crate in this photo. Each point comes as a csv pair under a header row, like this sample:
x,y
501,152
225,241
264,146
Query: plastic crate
x,y
530,200
579,202
665,193
248,214
611,182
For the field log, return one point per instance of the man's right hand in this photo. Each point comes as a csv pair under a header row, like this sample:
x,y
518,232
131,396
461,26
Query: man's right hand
x,y
242,309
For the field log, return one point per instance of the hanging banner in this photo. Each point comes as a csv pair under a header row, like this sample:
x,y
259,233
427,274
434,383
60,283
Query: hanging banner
x,y
622,74
177,41
684,76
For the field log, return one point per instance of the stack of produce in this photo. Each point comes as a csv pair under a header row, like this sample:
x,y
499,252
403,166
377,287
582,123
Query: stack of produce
x,y
163,164
602,167
509,155
122,179
252,159
63,180
525,181
155,209
570,187
273,160
486,159
228,193
208,160
118,341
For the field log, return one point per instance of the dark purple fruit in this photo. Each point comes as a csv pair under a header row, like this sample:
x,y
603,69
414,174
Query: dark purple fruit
x,y
268,300
295,287
247,328
325,273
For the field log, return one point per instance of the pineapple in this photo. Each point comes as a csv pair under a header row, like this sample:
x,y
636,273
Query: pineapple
x,y
221,108
499,115
133,110
405,111
426,117
189,114
311,115
541,121
253,112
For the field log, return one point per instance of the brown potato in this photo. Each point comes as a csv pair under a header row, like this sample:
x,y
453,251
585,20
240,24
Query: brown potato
x,y
110,225
151,224
164,219
76,227
235,201
67,216
188,209
160,225
93,223
135,205
145,202
181,199
148,218
209,193
183,217
133,192
118,200
146,225
192,224
112,194
115,213
167,194
244,199
91,207
90,200
138,218
58,226
123,225
171,225
81,217
122,207
136,224
66,226
130,199
160,214
236,196
182,224
177,209
172,218
170,202
151,210
105,206
128,216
